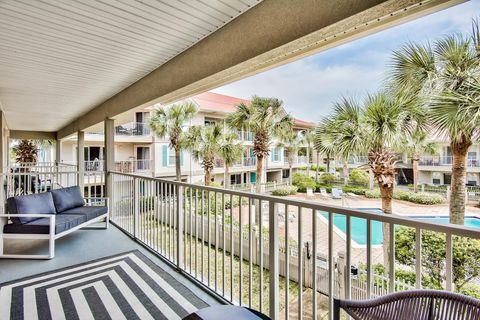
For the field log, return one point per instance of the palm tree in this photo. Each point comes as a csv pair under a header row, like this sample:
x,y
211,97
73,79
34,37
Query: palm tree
x,y
323,143
445,77
308,137
291,142
265,118
204,144
345,129
26,152
231,151
416,145
169,122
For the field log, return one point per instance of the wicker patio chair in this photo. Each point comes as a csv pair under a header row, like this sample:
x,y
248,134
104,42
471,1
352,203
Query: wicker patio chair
x,y
414,304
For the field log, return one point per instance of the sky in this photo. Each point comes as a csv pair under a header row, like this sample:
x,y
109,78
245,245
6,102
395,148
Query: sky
x,y
310,86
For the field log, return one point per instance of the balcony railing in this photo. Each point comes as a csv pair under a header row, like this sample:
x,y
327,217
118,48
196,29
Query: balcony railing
x,y
246,162
223,238
127,166
445,161
132,129
296,160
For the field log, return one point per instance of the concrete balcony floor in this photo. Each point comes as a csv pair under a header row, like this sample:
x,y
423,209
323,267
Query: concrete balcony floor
x,y
83,246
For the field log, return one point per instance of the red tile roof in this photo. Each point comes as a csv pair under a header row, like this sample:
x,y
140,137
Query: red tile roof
x,y
215,102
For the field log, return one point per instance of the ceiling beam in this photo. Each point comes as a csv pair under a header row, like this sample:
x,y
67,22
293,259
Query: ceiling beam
x,y
271,33
40,135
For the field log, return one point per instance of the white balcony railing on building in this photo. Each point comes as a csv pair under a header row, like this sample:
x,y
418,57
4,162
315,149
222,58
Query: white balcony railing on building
x,y
232,241
131,129
435,161
358,160
127,166
296,160
249,161
39,179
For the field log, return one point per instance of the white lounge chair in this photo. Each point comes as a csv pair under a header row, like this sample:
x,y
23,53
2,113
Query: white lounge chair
x,y
337,193
323,193
310,193
352,195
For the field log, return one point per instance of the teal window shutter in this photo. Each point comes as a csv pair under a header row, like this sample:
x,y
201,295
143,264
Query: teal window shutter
x,y
272,151
165,155
181,157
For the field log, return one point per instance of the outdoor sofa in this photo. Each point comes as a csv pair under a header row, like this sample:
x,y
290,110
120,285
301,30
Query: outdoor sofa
x,y
49,216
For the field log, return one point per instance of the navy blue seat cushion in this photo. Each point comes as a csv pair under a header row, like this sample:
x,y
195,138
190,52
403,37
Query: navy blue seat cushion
x,y
90,212
63,222
38,203
67,198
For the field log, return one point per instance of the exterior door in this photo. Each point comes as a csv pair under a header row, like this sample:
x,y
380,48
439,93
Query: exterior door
x,y
253,177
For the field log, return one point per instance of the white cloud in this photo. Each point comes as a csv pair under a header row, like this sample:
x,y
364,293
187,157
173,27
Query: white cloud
x,y
309,86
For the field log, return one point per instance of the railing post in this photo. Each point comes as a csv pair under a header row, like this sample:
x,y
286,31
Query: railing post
x,y
179,215
136,208
274,299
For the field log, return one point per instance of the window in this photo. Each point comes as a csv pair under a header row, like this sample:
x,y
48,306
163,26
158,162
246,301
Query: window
x,y
209,122
471,179
143,158
142,117
276,154
235,179
171,157
436,181
285,173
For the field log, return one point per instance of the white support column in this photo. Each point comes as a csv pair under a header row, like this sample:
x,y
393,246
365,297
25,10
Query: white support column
x,y
58,151
109,157
81,159
3,144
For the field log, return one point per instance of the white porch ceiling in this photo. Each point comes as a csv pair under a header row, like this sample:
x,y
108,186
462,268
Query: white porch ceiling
x,y
61,58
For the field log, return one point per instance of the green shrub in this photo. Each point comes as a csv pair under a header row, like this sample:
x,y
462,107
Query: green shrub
x,y
327,187
327,178
359,176
302,182
471,290
419,198
425,198
285,191
355,190
320,168
372,194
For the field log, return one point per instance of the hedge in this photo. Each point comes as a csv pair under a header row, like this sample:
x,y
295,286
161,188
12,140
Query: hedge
x,y
419,198
303,182
285,191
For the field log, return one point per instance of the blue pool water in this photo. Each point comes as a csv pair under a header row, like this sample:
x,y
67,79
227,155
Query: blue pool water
x,y
359,226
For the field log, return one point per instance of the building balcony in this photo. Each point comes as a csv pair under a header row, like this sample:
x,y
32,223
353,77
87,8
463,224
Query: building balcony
x,y
240,246
445,161
131,129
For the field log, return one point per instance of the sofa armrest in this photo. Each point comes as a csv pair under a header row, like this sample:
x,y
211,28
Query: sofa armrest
x,y
30,215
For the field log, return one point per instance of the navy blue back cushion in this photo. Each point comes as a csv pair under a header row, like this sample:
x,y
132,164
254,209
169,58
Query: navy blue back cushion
x,y
67,198
38,203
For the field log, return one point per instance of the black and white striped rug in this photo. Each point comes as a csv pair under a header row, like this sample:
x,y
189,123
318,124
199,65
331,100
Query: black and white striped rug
x,y
126,286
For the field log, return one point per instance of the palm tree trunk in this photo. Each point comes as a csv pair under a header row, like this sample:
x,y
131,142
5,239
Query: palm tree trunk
x,y
386,193
259,181
328,163
177,165
290,165
208,177
317,166
459,176
308,162
345,172
415,161
226,178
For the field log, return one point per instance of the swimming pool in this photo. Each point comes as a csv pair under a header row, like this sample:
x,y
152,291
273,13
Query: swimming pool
x,y
359,226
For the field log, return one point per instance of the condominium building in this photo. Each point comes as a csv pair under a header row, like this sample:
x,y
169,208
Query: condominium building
x,y
433,170
138,149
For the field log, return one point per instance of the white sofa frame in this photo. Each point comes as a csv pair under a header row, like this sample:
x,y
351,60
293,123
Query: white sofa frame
x,y
51,236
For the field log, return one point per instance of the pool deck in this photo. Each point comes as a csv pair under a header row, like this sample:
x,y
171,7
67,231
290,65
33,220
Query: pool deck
x,y
402,208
